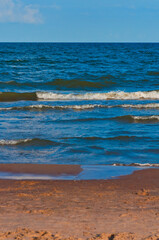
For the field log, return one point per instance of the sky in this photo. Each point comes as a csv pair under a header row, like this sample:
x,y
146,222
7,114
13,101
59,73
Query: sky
x,y
79,20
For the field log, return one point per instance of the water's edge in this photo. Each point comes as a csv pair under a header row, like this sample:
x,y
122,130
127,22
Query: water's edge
x,y
89,172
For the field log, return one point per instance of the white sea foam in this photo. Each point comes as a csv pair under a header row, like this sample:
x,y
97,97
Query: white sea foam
x,y
5,109
57,107
76,107
80,107
13,142
149,105
138,164
153,117
119,95
144,119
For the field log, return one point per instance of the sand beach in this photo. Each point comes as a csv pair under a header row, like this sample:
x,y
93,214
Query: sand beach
x,y
123,208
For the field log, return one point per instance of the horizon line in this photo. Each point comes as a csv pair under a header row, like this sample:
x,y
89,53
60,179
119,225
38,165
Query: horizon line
x,y
74,42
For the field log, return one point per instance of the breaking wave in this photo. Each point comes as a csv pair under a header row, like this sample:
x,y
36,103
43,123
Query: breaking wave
x,y
28,142
118,95
140,106
138,164
113,95
42,107
138,119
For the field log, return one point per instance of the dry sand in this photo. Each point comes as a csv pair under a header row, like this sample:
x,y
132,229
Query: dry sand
x,y
125,208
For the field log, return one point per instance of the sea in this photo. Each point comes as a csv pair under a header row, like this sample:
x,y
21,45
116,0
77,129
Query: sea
x,y
79,103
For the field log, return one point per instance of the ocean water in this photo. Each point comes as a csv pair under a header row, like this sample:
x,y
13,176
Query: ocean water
x,y
79,103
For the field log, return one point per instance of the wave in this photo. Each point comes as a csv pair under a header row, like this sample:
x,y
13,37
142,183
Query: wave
x,y
93,138
14,96
137,164
76,120
79,83
140,106
125,118
28,142
16,61
45,142
17,84
118,95
114,95
153,73
42,107
125,138
119,138
61,84
138,119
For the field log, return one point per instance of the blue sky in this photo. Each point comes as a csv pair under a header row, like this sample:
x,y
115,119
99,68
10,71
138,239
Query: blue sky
x,y
79,20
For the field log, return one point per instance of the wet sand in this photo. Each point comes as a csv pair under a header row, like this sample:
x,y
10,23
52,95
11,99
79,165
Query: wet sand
x,y
125,208
38,169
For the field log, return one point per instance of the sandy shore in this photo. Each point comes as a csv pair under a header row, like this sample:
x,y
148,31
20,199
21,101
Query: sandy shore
x,y
125,208
44,169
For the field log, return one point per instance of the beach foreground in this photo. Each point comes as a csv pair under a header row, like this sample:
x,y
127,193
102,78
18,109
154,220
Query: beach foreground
x,y
125,208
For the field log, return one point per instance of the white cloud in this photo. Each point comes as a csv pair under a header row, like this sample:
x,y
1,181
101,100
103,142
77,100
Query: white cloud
x,y
16,11
55,6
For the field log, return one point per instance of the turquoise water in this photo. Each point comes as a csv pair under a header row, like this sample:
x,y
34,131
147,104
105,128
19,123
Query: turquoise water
x,y
79,103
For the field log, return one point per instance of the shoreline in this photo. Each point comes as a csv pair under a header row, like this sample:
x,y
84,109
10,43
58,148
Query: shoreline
x,y
28,171
123,208
40,169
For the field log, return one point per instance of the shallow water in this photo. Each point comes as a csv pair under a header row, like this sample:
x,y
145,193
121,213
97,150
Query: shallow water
x,y
79,103
89,172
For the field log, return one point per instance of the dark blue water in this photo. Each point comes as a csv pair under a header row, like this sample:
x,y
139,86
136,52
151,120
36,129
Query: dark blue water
x,y
79,103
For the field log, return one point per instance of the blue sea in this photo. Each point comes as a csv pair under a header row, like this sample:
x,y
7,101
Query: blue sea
x,y
79,103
